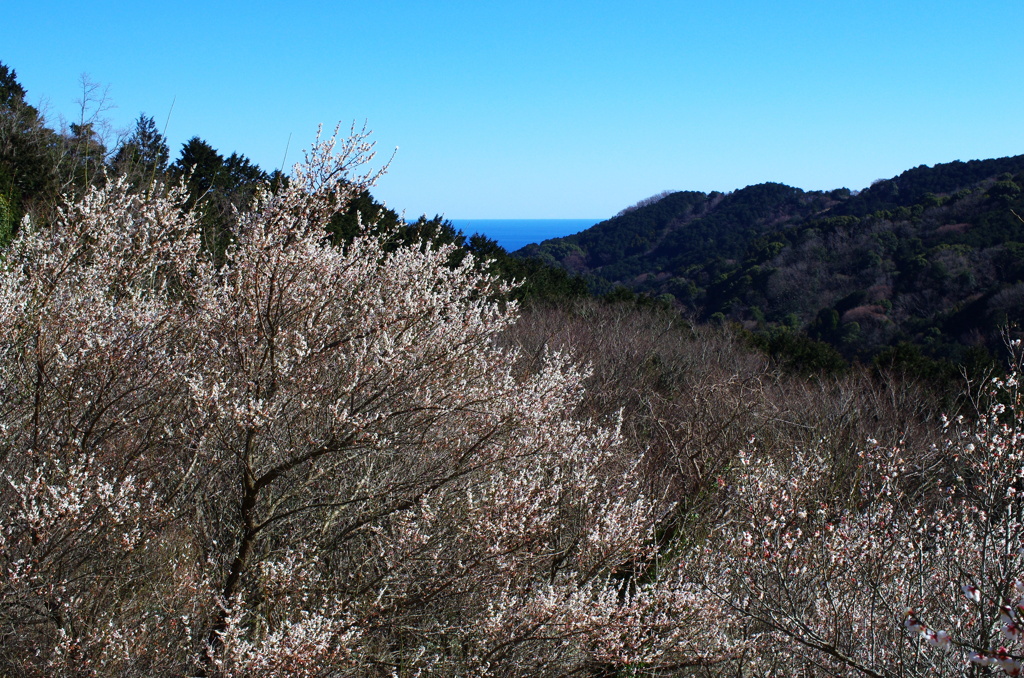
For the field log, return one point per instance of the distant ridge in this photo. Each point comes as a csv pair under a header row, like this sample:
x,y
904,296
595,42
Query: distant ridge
x,y
934,256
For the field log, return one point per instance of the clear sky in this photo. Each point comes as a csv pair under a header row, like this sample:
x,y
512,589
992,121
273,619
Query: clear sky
x,y
548,108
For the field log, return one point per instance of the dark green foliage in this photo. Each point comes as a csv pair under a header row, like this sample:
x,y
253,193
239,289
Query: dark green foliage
x,y
629,234
201,166
240,172
535,280
800,353
538,281
363,215
825,326
1006,191
686,234
33,159
8,220
144,155
931,258
12,94
219,186
620,294
88,154
913,185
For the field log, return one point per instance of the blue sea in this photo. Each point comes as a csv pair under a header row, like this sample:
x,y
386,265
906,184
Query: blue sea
x,y
513,234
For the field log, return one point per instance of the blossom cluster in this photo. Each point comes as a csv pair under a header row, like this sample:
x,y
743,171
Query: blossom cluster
x,y
916,569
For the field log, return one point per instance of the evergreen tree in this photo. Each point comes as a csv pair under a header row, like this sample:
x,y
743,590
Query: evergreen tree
x,y
31,157
88,154
144,155
219,187
199,163
12,94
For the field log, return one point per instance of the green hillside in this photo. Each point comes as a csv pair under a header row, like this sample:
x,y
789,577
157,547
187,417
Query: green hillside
x,y
933,258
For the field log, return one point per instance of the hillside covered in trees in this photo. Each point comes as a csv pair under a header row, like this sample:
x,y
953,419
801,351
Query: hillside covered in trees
x,y
932,259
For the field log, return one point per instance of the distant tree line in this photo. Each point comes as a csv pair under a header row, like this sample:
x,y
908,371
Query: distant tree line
x,y
39,164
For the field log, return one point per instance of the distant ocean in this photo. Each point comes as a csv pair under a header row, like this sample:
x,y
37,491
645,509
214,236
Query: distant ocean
x,y
513,234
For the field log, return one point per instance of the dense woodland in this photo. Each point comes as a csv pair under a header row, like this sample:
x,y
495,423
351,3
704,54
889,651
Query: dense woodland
x,y
924,270
252,423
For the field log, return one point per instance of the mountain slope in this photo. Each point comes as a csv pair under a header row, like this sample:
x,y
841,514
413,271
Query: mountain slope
x,y
934,257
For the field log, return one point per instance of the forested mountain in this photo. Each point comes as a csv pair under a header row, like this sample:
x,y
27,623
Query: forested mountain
x,y
933,258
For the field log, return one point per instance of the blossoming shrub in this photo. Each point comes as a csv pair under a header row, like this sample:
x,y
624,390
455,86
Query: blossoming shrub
x,y
90,410
305,460
917,572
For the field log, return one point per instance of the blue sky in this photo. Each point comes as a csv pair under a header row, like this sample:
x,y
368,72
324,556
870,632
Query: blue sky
x,y
547,109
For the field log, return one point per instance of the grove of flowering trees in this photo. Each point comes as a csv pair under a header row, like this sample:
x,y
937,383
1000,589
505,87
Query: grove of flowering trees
x,y
306,460
915,568
294,458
